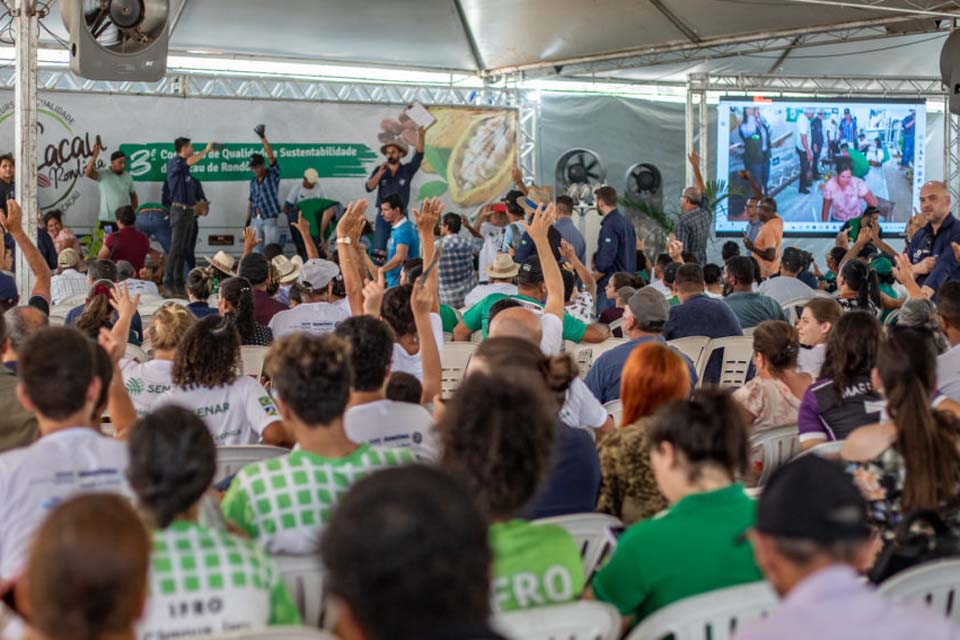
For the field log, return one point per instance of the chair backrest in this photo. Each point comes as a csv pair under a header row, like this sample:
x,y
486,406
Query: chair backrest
x,y
71,301
749,331
589,530
615,409
232,458
476,337
447,337
616,324
453,363
136,353
934,584
691,346
57,319
303,576
277,633
582,620
587,354
829,450
252,357
891,317
790,307
714,615
737,355
776,446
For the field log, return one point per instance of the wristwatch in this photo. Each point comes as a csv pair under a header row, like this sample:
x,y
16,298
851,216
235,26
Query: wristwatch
x,y
344,241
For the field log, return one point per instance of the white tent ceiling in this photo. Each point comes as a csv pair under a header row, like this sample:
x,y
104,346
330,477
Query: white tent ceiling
x,y
564,37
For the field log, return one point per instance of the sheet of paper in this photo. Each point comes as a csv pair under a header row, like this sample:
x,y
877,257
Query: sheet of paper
x,y
419,114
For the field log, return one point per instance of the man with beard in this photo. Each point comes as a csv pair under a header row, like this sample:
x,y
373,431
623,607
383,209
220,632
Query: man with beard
x,y
115,186
392,177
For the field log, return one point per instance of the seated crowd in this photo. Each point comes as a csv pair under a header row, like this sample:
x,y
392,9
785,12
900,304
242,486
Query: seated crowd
x,y
422,500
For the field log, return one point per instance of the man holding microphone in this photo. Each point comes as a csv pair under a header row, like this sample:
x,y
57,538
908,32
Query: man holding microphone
x,y
183,197
393,177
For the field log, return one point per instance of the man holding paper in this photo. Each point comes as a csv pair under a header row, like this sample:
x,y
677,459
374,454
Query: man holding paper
x,y
392,177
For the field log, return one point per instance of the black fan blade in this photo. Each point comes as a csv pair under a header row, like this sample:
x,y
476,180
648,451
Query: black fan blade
x,y
593,163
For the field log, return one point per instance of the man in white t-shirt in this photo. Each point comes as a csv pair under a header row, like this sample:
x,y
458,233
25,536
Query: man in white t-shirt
x,y
804,145
126,273
320,312
492,229
501,278
371,417
787,286
948,363
58,382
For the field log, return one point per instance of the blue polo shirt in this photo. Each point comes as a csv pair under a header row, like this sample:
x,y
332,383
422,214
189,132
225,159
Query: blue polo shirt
x,y
925,243
136,324
180,182
569,232
616,248
398,182
603,379
703,316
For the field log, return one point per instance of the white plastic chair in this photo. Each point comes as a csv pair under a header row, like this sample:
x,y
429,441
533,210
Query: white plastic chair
x,y
277,633
737,355
790,308
749,331
891,318
615,409
935,585
691,346
453,363
476,337
589,530
71,301
829,450
581,620
616,324
57,319
252,357
232,458
303,576
777,446
136,353
714,615
587,354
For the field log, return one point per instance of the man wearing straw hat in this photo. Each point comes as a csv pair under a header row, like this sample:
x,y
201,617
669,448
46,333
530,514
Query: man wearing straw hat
x,y
392,177
503,279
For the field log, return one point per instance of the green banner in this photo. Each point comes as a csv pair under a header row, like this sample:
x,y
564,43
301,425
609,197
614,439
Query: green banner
x,y
148,162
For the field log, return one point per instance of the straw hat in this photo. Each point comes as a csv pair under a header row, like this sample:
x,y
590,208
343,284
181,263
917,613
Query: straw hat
x,y
400,145
224,262
288,268
503,267
539,195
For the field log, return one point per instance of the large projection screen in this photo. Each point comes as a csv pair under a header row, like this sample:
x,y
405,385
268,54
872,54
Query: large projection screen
x,y
878,143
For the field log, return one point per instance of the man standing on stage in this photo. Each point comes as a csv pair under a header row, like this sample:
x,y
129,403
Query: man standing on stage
x,y
183,199
264,206
393,177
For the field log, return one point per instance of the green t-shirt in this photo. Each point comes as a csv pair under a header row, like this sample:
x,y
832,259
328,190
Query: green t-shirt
x,y
312,208
115,192
534,565
477,317
860,166
691,549
449,318
753,308
285,502
673,301
206,582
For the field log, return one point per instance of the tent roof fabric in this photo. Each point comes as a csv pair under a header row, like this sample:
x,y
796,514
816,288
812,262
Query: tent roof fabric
x,y
492,35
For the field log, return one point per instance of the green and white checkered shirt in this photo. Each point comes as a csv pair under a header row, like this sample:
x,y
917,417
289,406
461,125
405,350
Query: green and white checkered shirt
x,y
206,582
285,502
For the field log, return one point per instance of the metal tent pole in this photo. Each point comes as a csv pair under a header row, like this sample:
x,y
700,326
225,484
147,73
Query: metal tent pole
x,y
26,27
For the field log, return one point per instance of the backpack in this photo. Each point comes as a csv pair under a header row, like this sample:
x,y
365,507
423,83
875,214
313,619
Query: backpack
x,y
911,548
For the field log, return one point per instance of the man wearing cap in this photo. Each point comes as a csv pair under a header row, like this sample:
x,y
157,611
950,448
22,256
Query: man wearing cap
x,y
502,276
183,199
67,281
644,317
750,307
455,270
317,314
264,205
115,186
616,245
307,197
787,285
810,539
256,269
391,177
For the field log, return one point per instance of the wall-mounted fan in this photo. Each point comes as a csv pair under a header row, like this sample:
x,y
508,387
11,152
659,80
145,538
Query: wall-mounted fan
x,y
117,39
645,184
579,171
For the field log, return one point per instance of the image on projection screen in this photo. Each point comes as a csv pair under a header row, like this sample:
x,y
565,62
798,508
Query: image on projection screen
x,y
824,161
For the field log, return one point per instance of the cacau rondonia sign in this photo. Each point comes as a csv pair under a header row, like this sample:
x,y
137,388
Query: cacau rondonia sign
x,y
468,160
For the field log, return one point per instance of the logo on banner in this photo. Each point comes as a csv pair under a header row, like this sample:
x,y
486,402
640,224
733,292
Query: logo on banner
x,y
64,149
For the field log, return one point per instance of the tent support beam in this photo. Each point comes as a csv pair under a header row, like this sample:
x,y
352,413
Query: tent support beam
x,y
176,17
675,20
26,31
468,34
846,4
783,56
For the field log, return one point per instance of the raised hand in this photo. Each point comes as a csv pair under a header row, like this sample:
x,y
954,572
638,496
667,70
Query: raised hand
x,y
429,214
260,130
694,158
903,271
373,295
517,175
13,218
122,302
956,251
114,348
302,225
421,298
543,219
250,239
567,251
352,222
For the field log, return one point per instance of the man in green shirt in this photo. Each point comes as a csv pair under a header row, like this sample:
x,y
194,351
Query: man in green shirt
x,y
750,308
115,185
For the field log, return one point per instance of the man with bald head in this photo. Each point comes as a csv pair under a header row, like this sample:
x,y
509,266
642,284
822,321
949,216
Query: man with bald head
x,y
21,324
581,408
929,250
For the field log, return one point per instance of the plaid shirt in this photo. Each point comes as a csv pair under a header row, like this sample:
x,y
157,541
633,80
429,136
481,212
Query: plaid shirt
x,y
455,271
264,202
693,231
69,283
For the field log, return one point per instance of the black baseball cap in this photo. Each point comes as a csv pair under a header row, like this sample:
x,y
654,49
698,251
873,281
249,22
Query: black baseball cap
x,y
670,273
256,160
792,258
511,201
117,154
530,271
813,499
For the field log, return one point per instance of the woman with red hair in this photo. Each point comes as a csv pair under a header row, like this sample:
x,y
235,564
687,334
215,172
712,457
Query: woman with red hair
x,y
653,375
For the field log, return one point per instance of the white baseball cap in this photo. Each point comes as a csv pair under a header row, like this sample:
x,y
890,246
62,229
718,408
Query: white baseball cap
x,y
311,176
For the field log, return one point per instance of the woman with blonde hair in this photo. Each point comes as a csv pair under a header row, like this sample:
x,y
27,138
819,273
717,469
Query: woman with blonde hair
x,y
147,381
653,375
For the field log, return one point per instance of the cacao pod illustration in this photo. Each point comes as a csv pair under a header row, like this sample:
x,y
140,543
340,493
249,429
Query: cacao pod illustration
x,y
482,161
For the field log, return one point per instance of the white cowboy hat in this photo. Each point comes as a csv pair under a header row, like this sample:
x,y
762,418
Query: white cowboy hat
x,y
223,262
289,268
503,267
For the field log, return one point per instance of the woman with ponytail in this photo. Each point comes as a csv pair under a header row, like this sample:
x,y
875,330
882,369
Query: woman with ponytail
x,y
236,305
574,481
858,288
199,290
910,461
98,313
772,398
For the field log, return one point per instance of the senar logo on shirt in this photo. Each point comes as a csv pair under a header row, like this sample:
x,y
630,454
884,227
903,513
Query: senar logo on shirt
x,y
134,386
268,407
212,409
